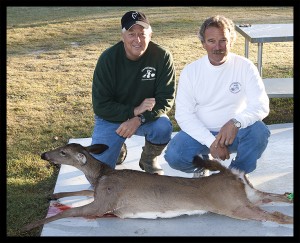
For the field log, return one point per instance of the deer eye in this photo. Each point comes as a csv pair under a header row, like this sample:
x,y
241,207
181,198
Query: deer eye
x,y
62,153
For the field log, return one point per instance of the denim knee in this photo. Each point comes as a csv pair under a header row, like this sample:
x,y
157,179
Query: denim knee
x,y
260,133
172,156
176,159
265,130
159,131
253,141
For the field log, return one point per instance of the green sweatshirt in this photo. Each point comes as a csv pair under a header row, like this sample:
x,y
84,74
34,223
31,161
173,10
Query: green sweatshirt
x,y
120,84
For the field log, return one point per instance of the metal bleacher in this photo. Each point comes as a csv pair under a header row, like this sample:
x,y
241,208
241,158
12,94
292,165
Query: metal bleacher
x,y
279,87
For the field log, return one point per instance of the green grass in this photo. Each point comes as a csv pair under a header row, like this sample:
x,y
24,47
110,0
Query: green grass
x,y
51,55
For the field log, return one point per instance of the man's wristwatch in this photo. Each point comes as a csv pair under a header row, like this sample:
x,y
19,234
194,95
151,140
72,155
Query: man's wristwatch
x,y
236,123
142,119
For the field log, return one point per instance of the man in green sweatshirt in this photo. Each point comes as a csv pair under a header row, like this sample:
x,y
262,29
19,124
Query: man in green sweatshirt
x,y
133,90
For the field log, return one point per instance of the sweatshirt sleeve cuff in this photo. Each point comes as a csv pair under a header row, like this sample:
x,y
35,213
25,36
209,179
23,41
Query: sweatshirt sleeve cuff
x,y
209,141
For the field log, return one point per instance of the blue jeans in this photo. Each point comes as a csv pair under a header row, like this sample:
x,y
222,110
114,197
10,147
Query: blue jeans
x,y
248,145
156,132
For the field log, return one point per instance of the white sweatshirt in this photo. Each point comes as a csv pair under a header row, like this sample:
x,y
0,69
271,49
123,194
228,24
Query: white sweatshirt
x,y
209,96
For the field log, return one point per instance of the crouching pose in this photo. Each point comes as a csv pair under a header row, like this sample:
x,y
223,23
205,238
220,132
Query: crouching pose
x,y
133,90
220,104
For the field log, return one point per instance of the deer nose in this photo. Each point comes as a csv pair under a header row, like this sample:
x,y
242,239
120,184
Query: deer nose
x,y
44,156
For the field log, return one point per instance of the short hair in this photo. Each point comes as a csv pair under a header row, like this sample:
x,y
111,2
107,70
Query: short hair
x,y
218,21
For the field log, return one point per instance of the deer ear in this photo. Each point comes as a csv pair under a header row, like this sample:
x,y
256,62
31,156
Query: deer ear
x,y
81,158
96,148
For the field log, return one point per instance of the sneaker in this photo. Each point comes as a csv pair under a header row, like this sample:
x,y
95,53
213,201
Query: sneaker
x,y
201,173
247,180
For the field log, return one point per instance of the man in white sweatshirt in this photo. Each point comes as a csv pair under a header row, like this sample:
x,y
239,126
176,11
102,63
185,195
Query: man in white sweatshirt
x,y
220,104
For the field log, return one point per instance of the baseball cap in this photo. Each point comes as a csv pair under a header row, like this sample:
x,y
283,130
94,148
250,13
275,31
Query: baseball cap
x,y
133,17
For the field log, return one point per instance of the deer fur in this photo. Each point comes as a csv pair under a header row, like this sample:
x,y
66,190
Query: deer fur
x,y
136,194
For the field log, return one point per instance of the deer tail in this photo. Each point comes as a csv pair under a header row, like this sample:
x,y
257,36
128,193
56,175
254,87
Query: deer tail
x,y
212,165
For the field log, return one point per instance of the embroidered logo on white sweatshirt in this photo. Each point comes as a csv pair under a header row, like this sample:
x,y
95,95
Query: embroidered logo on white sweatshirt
x,y
235,87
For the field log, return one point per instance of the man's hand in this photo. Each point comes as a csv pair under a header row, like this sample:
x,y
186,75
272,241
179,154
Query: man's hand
x,y
128,128
227,134
146,105
225,137
219,152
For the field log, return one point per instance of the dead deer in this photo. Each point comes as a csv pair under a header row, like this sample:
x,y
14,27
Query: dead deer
x,y
136,194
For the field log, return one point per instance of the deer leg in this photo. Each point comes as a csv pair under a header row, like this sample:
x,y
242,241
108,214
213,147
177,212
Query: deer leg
x,y
274,197
259,197
58,195
89,210
256,213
